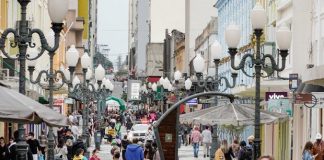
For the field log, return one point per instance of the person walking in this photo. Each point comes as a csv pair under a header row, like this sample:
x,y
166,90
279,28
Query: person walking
x,y
124,144
3,148
34,145
195,139
94,155
79,155
318,147
245,152
235,147
206,140
43,141
148,151
60,152
220,152
134,151
307,152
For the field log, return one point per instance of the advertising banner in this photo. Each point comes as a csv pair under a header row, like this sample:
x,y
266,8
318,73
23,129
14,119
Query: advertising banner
x,y
280,106
275,95
134,90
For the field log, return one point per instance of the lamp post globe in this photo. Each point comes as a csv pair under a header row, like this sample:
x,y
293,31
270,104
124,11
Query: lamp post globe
x,y
99,72
188,84
166,83
199,63
154,87
88,74
161,81
85,61
57,10
232,36
216,50
149,85
258,17
283,37
76,81
72,56
177,75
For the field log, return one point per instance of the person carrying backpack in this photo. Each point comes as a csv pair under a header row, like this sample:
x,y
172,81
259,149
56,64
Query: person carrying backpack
x,y
245,152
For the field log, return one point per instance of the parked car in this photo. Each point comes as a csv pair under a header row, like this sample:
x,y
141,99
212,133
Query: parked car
x,y
138,131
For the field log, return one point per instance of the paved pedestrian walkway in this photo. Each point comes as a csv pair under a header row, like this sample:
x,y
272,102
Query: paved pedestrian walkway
x,y
186,153
104,153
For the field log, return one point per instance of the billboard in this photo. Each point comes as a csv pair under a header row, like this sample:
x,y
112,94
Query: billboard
x,y
133,87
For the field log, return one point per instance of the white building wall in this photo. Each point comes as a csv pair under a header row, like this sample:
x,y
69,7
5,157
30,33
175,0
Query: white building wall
x,y
142,34
166,14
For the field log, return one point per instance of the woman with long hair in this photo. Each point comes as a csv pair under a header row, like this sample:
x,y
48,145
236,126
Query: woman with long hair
x,y
224,152
307,152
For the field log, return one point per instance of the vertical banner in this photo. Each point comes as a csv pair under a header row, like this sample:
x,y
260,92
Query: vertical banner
x,y
133,87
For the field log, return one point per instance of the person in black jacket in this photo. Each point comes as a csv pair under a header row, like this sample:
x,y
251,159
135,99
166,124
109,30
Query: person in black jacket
x,y
124,144
78,144
12,149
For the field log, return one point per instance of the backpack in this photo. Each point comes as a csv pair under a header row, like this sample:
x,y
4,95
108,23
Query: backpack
x,y
247,153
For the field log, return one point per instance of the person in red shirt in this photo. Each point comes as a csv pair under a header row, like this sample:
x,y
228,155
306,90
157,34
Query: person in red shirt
x,y
94,155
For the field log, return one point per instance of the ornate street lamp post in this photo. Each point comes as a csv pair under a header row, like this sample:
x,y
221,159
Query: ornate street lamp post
x,y
86,92
212,83
23,39
232,37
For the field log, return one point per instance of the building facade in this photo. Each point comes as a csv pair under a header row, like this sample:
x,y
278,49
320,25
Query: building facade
x,y
139,35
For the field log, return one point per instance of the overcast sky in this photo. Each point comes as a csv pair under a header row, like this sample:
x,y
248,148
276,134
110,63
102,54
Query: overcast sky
x,y
113,27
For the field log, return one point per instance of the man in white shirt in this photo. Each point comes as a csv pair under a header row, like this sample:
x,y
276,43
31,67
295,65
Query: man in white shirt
x,y
207,140
75,131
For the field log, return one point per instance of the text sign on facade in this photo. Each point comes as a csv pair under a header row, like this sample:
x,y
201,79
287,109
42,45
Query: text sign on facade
x,y
275,95
134,90
302,98
280,106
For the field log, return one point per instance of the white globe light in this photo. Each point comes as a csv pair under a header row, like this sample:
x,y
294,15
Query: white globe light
x,y
161,81
99,72
188,84
96,86
154,87
216,50
85,61
57,10
76,81
67,74
166,83
149,85
177,75
283,37
232,36
170,87
199,63
32,52
258,17
72,56
89,74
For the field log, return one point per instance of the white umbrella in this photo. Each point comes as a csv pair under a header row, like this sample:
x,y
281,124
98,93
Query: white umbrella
x,y
230,114
16,107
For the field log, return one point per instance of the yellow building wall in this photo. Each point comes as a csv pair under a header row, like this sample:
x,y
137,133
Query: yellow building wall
x,y
83,11
3,26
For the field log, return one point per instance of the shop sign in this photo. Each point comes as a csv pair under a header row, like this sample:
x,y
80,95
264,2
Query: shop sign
x,y
302,98
58,101
193,101
275,95
68,101
280,106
